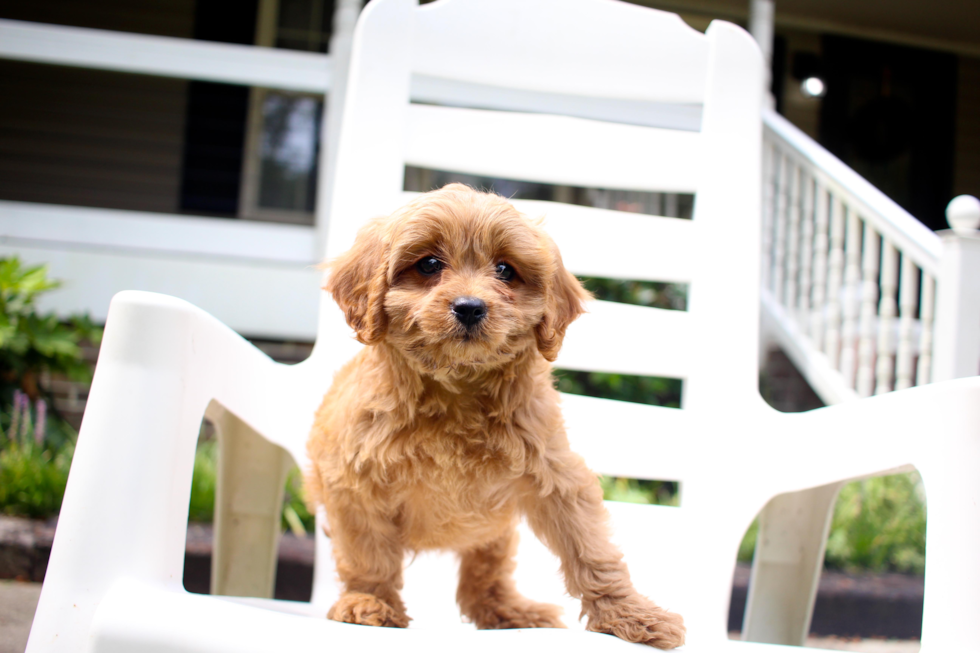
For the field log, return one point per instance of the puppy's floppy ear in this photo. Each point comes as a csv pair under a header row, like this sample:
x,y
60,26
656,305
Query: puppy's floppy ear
x,y
564,304
358,281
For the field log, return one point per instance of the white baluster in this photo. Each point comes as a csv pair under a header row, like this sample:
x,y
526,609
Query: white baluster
x,y
670,205
887,311
852,280
834,281
821,246
806,251
869,309
909,282
791,300
779,233
768,197
927,316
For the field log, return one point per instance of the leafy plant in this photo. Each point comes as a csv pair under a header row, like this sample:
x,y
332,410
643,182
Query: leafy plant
x,y
879,524
31,342
36,446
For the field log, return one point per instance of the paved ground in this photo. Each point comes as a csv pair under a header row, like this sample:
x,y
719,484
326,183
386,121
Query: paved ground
x,y
18,601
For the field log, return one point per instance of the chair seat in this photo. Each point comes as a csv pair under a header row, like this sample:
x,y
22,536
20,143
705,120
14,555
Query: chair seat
x,y
130,616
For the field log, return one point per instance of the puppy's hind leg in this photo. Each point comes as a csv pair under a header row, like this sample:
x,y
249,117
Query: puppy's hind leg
x,y
369,563
487,595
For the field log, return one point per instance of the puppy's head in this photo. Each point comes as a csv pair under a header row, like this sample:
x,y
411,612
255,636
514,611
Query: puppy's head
x,y
457,278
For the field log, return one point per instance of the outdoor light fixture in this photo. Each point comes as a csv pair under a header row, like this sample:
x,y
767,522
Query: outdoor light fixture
x,y
813,87
808,68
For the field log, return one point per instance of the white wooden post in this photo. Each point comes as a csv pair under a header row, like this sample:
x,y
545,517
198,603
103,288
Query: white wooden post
x,y
762,16
344,19
957,330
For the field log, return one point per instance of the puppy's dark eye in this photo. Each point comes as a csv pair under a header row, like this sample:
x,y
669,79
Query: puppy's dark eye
x,y
429,265
505,272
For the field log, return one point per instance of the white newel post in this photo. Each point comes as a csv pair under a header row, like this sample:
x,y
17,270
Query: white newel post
x,y
957,330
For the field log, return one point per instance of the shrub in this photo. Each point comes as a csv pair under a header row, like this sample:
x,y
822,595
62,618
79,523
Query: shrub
x,y
33,473
36,445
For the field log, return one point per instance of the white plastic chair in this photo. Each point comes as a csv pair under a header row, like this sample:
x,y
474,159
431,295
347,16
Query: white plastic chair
x,y
114,578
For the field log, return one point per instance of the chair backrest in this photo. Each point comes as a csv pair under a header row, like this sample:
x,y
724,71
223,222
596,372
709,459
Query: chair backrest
x,y
592,49
533,80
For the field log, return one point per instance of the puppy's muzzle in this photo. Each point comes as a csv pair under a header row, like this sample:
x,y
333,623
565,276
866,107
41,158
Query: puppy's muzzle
x,y
469,311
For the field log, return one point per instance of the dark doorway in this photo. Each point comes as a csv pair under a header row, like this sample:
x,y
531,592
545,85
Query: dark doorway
x,y
890,113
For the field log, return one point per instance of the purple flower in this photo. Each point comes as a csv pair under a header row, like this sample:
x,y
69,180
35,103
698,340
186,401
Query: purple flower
x,y
19,398
42,412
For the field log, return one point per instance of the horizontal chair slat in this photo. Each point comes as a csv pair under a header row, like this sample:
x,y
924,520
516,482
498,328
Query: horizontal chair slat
x,y
629,440
457,93
656,342
552,149
616,244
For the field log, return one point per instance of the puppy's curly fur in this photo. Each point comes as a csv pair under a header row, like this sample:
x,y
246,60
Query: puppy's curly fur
x,y
446,429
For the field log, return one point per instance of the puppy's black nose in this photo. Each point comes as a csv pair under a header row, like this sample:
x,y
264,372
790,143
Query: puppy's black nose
x,y
469,310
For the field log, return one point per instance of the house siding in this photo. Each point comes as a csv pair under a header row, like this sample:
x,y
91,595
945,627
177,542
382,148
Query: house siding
x,y
90,138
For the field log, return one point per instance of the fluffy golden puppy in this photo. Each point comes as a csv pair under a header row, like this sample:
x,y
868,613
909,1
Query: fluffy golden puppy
x,y
445,429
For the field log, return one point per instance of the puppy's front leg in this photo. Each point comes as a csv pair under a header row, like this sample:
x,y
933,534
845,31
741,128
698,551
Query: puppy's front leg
x,y
487,595
369,560
572,522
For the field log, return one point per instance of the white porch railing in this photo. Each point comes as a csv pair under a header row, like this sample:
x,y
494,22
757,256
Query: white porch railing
x,y
862,297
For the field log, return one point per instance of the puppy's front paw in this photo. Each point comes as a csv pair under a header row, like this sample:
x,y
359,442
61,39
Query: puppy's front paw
x,y
366,610
519,614
637,619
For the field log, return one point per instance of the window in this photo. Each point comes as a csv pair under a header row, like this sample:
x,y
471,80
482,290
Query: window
x,y
279,176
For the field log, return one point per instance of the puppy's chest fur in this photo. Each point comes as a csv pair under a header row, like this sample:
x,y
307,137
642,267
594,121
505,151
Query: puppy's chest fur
x,y
451,465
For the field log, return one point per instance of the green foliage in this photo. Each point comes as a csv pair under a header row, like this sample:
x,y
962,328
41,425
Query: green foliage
x,y
33,471
624,387
35,449
295,514
641,293
33,479
204,482
880,525
633,490
746,550
31,342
